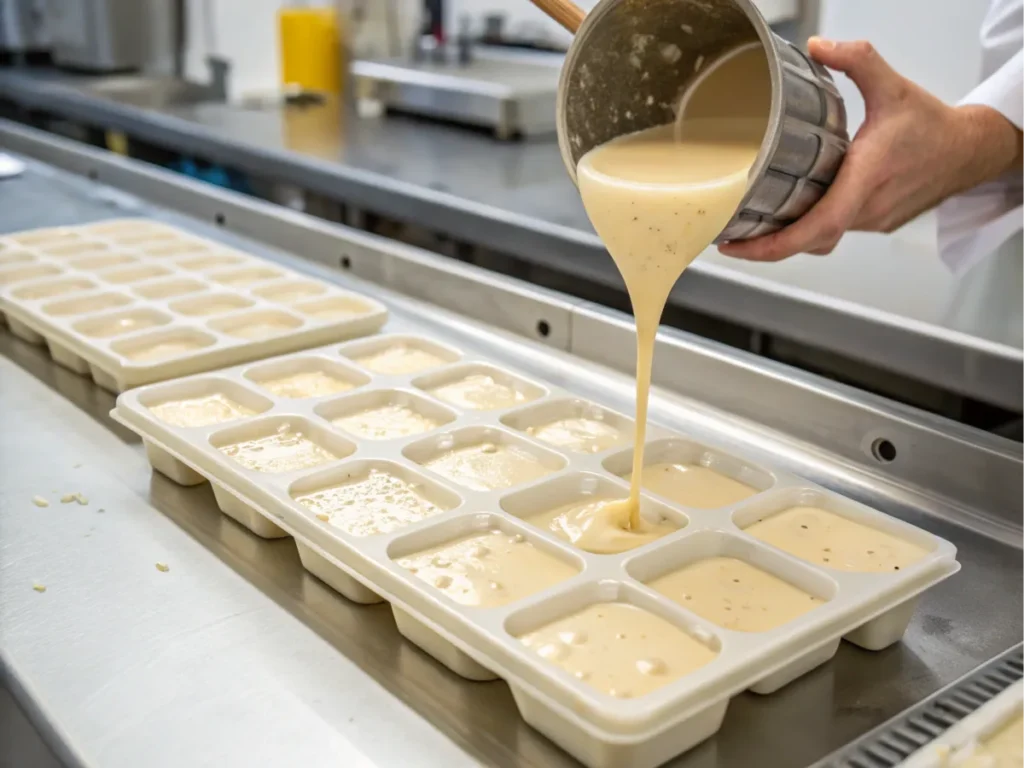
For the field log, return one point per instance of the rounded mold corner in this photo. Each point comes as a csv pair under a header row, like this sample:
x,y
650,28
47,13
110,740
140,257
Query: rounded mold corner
x,y
798,667
440,648
884,630
246,515
106,380
170,467
64,356
335,577
24,332
609,751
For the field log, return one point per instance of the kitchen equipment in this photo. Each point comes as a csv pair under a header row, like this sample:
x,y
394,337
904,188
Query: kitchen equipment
x,y
106,35
631,63
23,28
358,550
134,301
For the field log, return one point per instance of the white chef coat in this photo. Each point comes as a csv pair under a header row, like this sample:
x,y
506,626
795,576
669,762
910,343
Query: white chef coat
x,y
980,221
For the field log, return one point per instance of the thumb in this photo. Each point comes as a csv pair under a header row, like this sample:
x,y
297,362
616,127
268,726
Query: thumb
x,y
877,81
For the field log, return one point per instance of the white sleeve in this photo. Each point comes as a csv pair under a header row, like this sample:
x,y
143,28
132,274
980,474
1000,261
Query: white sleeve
x,y
976,223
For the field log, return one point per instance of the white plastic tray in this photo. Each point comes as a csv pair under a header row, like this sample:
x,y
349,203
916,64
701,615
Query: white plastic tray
x,y
101,295
956,746
869,609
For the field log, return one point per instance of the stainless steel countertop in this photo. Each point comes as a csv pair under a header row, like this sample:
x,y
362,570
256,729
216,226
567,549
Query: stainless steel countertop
x,y
516,197
236,656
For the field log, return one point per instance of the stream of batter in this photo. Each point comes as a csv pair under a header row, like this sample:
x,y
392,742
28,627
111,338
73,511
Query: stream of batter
x,y
659,197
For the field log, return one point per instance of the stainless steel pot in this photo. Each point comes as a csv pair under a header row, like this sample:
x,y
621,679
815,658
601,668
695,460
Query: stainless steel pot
x,y
632,61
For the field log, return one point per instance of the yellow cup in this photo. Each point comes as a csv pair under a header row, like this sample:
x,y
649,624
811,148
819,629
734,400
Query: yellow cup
x,y
311,51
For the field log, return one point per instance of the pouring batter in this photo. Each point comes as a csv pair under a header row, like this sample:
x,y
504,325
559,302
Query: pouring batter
x,y
659,197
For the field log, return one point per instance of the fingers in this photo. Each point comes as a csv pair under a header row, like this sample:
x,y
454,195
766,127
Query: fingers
x,y
861,63
818,231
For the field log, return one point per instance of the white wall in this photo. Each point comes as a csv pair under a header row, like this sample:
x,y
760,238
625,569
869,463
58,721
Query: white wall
x,y
933,42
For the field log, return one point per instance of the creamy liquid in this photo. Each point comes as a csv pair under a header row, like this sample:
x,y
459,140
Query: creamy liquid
x,y
400,359
579,434
262,329
619,649
163,351
284,451
211,307
386,422
488,570
170,289
378,503
489,466
306,384
202,263
335,310
53,289
200,411
587,524
1003,749
247,276
819,536
292,292
694,486
735,595
479,392
119,325
659,197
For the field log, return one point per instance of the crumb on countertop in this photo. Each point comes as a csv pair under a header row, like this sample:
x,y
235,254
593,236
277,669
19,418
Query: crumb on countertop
x,y
67,498
163,567
40,501
40,588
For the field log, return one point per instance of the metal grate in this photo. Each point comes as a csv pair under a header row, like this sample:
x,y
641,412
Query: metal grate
x,y
894,741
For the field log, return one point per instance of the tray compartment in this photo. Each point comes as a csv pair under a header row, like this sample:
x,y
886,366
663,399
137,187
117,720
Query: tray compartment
x,y
473,532
399,354
724,480
302,377
209,260
479,387
133,274
290,291
210,304
160,346
585,427
246,514
121,323
99,260
83,305
426,415
257,325
333,308
160,290
280,445
18,274
484,458
45,289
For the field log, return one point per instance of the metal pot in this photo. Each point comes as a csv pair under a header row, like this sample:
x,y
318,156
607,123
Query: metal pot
x,y
632,61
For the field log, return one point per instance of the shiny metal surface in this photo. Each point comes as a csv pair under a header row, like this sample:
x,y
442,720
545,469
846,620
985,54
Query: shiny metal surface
x,y
237,657
516,198
508,94
631,65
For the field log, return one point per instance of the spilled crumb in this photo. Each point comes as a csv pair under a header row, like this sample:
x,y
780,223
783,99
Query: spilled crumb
x,y
163,567
67,498
101,510
76,466
81,499
40,588
39,501
322,516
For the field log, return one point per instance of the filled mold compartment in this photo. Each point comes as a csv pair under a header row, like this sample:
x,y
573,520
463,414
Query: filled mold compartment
x,y
257,325
288,292
120,323
587,511
692,475
50,236
19,273
280,445
83,305
399,355
12,257
245,276
573,425
618,655
133,274
306,376
209,260
97,261
740,586
210,304
45,289
484,459
161,346
363,499
169,289
335,308
385,414
195,404
81,249
480,387
476,561
182,247
838,534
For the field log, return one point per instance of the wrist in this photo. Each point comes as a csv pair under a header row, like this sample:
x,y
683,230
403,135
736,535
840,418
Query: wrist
x,y
991,144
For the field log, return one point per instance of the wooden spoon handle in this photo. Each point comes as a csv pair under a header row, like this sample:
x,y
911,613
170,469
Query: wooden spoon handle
x,y
565,12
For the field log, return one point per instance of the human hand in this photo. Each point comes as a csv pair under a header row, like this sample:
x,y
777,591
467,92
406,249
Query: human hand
x,y
912,152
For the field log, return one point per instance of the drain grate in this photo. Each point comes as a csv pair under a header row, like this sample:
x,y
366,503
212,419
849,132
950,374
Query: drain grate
x,y
893,742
